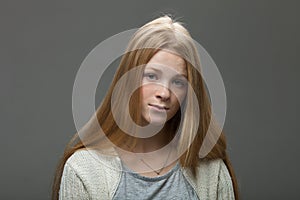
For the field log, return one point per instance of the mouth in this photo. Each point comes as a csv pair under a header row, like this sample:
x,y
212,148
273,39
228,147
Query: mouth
x,y
159,107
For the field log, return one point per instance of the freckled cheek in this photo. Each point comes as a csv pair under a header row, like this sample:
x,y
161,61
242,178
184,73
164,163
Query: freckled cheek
x,y
145,93
179,96
144,90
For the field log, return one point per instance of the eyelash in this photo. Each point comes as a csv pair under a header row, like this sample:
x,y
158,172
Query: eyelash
x,y
150,74
182,83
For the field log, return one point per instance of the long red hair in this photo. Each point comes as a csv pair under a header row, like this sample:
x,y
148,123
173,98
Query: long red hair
x,y
162,33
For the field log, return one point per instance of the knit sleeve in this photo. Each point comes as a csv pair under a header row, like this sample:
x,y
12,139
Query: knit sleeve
x,y
71,186
225,187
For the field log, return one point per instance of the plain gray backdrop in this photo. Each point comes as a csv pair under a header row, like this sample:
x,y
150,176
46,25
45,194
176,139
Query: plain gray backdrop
x,y
255,45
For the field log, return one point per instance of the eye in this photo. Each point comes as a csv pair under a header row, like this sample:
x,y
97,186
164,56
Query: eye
x,y
150,76
179,82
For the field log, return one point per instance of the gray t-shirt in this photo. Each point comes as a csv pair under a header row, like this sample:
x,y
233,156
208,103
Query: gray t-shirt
x,y
171,185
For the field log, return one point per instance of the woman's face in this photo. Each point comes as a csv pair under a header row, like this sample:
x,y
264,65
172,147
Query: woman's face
x,y
164,87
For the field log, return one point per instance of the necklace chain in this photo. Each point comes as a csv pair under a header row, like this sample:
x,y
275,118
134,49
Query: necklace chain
x,y
156,171
160,170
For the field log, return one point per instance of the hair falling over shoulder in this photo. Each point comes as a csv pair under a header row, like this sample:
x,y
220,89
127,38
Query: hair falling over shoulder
x,y
161,33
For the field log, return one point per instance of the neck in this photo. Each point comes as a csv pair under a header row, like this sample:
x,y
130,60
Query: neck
x,y
159,140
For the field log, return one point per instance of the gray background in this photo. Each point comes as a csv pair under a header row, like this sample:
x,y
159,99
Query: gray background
x,y
255,45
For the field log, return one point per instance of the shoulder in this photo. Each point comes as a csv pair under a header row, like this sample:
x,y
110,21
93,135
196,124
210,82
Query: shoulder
x,y
84,165
214,171
75,179
210,171
212,178
88,162
82,159
97,173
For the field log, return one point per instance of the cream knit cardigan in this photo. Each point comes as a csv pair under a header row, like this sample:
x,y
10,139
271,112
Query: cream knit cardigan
x,y
87,175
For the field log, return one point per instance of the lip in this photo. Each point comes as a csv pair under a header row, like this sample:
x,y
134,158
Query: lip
x,y
159,107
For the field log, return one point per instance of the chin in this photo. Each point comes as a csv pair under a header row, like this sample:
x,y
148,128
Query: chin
x,y
157,123
154,121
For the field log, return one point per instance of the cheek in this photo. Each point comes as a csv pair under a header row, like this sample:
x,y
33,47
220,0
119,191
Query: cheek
x,y
145,92
180,96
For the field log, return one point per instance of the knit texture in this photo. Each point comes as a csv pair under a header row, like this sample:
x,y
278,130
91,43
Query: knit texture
x,y
90,175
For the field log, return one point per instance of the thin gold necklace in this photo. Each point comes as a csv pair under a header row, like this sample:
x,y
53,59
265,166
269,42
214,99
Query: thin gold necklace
x,y
156,171
160,170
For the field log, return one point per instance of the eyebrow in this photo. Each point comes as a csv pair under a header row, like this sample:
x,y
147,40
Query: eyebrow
x,y
158,70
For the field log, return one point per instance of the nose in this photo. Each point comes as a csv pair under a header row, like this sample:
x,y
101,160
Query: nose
x,y
162,93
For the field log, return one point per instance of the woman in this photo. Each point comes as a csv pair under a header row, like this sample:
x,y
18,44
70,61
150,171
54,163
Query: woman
x,y
144,140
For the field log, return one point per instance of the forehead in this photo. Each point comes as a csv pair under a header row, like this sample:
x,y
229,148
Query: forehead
x,y
168,59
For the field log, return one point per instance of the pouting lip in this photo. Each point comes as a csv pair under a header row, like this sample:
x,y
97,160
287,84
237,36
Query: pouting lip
x,y
159,106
